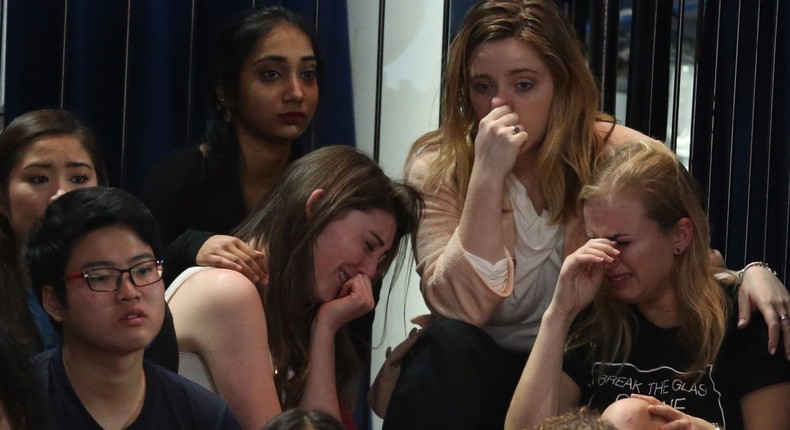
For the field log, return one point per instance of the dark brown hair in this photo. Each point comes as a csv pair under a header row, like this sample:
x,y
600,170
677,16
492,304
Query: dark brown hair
x,y
351,181
14,141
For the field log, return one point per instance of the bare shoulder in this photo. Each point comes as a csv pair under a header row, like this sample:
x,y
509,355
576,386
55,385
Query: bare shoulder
x,y
219,290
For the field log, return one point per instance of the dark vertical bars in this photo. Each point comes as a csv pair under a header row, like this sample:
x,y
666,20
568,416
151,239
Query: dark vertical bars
x,y
379,81
125,111
190,74
446,39
62,101
2,62
673,138
694,101
731,133
749,169
604,25
316,6
649,67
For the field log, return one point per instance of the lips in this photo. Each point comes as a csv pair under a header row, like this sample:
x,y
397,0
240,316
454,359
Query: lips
x,y
292,118
133,316
618,280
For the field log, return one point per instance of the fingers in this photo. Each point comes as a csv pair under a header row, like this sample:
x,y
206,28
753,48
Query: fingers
x,y
232,253
745,309
399,353
354,299
423,320
649,399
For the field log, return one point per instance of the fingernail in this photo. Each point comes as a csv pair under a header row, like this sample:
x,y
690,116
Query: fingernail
x,y
741,322
773,350
255,279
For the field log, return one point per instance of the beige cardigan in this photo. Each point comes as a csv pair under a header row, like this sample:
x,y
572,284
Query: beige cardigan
x,y
451,286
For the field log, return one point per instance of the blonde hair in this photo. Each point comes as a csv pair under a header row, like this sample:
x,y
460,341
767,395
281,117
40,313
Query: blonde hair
x,y
571,144
652,174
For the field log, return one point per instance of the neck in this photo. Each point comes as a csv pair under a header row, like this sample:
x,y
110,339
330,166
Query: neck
x,y
111,387
662,313
261,164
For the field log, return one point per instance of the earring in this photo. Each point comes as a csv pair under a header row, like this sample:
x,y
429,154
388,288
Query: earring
x,y
677,251
226,116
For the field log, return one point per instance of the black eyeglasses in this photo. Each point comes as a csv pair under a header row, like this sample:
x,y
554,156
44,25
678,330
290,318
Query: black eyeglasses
x,y
108,279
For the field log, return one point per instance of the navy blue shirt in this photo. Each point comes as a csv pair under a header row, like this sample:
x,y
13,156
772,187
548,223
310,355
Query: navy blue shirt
x,y
171,402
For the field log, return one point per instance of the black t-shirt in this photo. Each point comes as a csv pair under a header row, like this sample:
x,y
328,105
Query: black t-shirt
x,y
743,365
171,402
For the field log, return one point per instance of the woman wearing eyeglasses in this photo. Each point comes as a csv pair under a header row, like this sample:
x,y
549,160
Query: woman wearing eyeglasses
x,y
94,264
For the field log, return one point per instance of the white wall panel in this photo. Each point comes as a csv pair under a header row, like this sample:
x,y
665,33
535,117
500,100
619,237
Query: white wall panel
x,y
409,105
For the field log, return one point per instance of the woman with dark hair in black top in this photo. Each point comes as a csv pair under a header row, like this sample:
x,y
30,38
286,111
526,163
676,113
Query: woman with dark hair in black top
x,y
263,81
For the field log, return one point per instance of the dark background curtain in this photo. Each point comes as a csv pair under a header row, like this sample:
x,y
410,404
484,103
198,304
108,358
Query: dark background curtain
x,y
740,134
134,71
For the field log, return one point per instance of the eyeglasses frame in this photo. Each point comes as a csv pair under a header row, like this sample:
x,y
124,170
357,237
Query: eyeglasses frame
x,y
84,275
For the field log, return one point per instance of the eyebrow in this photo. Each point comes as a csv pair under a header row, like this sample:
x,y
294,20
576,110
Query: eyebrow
x,y
70,165
104,263
283,59
512,72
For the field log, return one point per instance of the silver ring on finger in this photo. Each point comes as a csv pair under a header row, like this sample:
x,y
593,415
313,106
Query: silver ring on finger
x,y
784,317
516,130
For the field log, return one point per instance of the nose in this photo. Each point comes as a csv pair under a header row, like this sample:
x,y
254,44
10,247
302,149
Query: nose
x,y
61,190
369,267
294,90
611,265
501,99
127,290
63,187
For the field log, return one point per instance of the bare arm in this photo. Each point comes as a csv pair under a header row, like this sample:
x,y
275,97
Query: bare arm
x,y
544,390
761,290
453,223
226,327
355,299
767,408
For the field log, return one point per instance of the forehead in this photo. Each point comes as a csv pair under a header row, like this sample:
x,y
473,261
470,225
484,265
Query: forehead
x,y
55,147
116,243
377,221
613,213
506,53
285,40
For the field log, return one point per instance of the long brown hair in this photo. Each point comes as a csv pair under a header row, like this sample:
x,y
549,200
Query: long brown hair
x,y
652,174
351,181
571,144
14,141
